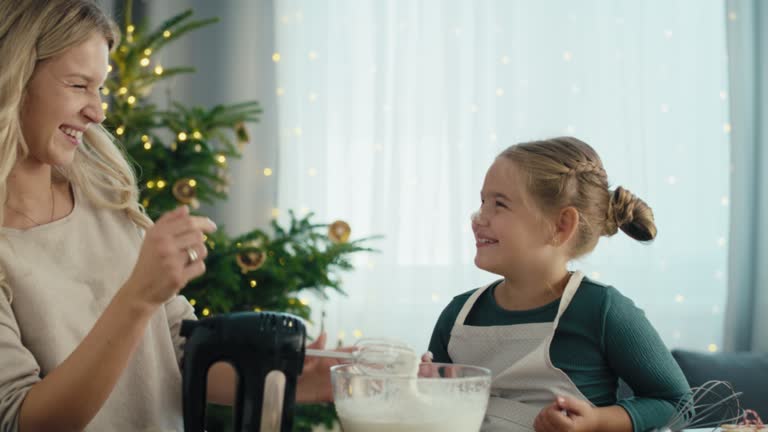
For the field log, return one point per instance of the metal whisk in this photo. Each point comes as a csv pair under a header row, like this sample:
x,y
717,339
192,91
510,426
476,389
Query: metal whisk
x,y
710,405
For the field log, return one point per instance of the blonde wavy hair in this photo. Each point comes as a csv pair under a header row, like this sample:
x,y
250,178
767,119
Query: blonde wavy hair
x,y
567,172
32,31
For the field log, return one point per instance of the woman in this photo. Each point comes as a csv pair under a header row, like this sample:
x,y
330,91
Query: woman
x,y
89,304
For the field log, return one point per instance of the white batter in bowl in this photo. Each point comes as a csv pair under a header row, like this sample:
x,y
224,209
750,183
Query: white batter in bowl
x,y
443,397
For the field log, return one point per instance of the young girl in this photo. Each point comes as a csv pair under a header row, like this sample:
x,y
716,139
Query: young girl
x,y
557,342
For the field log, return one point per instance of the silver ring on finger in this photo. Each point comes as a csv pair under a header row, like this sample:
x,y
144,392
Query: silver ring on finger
x,y
192,254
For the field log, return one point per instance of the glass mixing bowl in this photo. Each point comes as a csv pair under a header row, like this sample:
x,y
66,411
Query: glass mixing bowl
x,y
443,397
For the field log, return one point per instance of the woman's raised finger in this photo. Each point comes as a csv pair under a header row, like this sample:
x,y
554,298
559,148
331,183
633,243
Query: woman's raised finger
x,y
190,224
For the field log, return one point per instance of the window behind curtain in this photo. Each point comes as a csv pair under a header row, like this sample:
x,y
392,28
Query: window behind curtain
x,y
391,112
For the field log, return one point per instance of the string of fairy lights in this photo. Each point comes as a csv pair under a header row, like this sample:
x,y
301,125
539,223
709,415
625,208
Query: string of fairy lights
x,y
279,57
184,188
125,95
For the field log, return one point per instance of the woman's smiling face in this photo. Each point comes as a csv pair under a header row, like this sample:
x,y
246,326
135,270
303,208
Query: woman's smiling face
x,y
62,99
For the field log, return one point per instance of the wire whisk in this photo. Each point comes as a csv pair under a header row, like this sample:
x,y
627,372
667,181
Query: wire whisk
x,y
712,404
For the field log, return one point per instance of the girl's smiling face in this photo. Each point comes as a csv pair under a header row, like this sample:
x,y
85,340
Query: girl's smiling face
x,y
510,233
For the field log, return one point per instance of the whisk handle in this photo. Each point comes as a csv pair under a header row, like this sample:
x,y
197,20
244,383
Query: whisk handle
x,y
330,354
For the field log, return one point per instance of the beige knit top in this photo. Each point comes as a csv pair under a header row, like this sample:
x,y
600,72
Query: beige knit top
x,y
59,279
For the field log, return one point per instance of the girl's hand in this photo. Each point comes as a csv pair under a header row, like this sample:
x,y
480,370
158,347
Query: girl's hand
x,y
164,265
426,368
567,415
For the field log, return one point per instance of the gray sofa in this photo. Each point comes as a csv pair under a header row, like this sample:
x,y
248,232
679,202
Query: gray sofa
x,y
747,373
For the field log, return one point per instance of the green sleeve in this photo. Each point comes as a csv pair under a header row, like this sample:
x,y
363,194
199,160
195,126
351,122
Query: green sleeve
x,y
637,354
441,335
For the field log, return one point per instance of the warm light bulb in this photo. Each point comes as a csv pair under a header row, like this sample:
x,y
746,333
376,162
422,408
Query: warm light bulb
x,y
206,312
158,70
253,283
148,52
144,62
221,159
105,91
276,57
192,182
182,136
145,138
150,184
122,91
120,130
167,34
192,302
147,146
104,106
130,28
267,172
131,100
109,68
160,184
197,135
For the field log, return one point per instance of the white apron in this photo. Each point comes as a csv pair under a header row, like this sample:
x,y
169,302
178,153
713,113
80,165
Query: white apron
x,y
524,379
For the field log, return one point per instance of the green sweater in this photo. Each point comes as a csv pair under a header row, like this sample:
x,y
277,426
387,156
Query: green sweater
x,y
602,336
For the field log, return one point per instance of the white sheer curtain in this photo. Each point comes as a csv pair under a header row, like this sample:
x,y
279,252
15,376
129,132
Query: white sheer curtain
x,y
391,111
746,321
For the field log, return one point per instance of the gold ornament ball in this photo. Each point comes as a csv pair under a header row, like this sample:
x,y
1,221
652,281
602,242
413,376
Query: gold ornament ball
x,y
253,258
184,191
339,231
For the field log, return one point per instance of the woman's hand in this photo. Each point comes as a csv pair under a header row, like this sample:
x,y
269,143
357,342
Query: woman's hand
x,y
164,265
314,384
567,415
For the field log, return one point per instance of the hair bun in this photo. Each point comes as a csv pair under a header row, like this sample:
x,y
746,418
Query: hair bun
x,y
630,214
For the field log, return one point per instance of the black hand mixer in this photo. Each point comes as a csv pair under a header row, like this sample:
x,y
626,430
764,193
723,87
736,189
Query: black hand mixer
x,y
266,350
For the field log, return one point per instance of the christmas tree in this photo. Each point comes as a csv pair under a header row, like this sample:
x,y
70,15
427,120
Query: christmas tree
x,y
181,155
